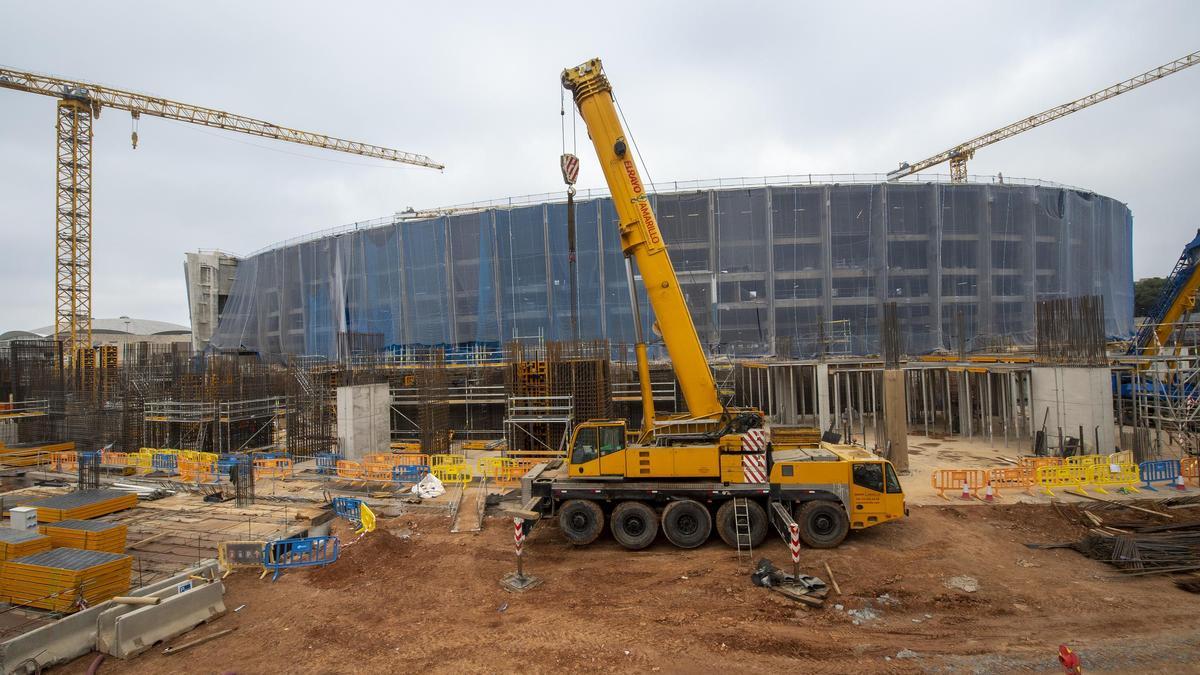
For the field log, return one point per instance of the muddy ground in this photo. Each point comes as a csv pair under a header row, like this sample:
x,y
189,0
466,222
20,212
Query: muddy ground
x,y
413,597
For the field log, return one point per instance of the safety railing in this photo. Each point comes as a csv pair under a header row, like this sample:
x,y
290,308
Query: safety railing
x,y
302,552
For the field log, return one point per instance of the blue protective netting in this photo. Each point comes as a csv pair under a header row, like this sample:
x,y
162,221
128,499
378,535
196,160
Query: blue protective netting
x,y
764,270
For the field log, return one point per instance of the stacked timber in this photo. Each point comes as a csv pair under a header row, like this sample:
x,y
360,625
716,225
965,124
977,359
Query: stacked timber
x,y
82,505
20,543
65,579
89,535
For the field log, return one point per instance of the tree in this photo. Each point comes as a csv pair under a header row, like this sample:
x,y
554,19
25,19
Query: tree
x,y
1146,293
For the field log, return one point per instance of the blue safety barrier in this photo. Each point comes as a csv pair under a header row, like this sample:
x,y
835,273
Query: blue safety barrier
x,y
409,473
348,508
164,462
327,462
303,552
1158,470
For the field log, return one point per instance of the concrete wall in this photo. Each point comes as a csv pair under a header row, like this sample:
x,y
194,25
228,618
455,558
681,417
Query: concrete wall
x,y
209,277
363,419
1070,398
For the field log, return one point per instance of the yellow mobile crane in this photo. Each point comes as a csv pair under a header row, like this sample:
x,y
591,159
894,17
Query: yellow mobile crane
x,y
713,467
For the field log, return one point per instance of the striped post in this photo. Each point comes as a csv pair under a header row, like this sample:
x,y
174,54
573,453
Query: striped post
x,y
519,541
794,545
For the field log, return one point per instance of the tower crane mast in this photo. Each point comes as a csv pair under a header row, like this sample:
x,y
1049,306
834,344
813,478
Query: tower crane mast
x,y
78,104
959,154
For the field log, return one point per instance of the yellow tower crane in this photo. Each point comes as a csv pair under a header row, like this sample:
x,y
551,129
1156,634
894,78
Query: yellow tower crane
x,y
959,154
78,104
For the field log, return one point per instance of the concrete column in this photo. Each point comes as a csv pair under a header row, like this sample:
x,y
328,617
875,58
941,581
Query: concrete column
x,y
895,419
822,376
363,420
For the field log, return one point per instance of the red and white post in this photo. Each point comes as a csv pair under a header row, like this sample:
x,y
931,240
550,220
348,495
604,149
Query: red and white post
x,y
966,491
794,545
519,542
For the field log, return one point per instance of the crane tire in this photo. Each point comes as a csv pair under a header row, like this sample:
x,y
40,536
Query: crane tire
x,y
686,523
823,523
728,529
634,525
581,521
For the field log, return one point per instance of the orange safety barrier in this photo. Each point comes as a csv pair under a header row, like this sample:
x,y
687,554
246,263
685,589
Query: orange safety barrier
x,y
410,459
349,469
64,462
1010,478
953,479
200,471
115,458
503,471
278,467
1032,464
406,446
1189,468
381,471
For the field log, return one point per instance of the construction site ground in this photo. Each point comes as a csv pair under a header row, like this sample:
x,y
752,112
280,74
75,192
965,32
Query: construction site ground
x,y
413,596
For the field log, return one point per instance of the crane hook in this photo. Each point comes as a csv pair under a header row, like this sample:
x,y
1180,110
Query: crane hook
x,y
136,115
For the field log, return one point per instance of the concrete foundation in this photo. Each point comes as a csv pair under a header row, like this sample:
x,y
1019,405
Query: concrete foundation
x,y
363,420
1068,398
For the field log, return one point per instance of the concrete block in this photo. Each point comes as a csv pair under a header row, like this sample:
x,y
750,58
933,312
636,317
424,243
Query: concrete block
x,y
105,628
133,632
364,420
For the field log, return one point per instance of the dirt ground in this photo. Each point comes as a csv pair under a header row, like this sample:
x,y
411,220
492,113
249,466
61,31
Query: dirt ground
x,y
414,597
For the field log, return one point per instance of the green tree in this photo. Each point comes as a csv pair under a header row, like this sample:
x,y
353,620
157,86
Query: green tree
x,y
1146,293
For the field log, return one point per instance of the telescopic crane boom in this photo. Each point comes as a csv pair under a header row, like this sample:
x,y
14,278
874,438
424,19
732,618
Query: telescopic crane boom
x,y
959,154
642,241
78,103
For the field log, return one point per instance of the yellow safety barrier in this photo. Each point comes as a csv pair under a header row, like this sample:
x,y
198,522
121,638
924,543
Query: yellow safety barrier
x,y
1125,477
1122,457
953,479
452,473
1050,477
447,458
349,469
1189,468
367,517
503,471
406,446
1085,460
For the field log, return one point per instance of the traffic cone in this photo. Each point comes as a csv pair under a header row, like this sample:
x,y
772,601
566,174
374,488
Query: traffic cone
x,y
989,494
966,493
1179,484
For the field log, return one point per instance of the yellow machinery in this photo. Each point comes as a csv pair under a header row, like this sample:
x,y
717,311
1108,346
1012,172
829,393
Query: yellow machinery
x,y
714,468
80,102
1178,299
959,154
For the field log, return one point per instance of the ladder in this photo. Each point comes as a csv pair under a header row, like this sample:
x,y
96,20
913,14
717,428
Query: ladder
x,y
741,529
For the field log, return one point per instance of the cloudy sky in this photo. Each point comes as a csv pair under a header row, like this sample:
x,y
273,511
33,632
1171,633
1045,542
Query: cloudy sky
x,y
709,90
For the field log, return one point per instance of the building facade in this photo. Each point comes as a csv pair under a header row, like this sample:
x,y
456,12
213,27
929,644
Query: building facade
x,y
786,269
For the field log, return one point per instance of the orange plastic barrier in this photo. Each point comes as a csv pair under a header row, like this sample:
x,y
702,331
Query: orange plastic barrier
x,y
1035,463
64,462
1189,468
198,470
1010,478
279,467
349,469
953,479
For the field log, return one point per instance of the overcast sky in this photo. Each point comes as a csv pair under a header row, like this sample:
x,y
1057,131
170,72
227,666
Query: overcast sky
x,y
709,90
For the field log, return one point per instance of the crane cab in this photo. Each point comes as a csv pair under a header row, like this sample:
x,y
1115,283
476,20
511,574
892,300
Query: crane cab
x,y
597,449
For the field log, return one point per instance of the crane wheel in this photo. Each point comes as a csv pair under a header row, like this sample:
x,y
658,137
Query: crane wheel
x,y
823,523
581,521
727,528
687,523
634,525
